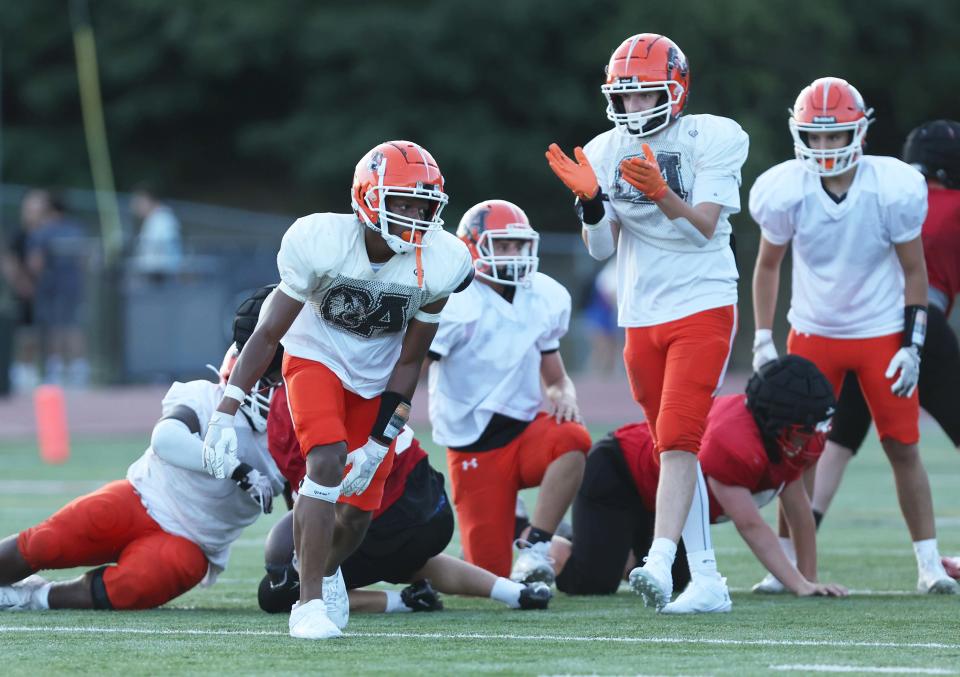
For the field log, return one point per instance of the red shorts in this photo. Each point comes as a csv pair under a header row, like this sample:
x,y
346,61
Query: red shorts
x,y
111,525
324,413
895,417
485,486
675,369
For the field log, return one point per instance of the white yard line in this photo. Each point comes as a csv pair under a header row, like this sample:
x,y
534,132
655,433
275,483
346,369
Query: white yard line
x,y
898,670
9,629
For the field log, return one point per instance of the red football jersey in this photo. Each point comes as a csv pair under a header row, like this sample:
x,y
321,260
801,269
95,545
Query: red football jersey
x,y
731,452
941,241
285,450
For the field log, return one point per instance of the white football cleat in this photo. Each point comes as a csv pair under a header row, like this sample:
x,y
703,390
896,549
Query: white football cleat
x,y
704,595
310,621
337,601
653,581
933,580
770,585
533,564
21,596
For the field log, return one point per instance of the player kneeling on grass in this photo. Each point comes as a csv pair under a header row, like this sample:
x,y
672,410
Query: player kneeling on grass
x,y
498,341
404,543
753,449
165,528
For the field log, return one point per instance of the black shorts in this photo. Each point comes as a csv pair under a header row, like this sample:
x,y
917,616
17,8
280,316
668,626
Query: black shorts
x,y
609,521
399,542
939,389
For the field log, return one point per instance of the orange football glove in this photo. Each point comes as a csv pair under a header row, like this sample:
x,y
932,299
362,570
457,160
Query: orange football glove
x,y
577,175
645,175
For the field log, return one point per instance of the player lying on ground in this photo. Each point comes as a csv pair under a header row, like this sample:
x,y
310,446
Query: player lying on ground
x,y
753,449
356,308
496,353
659,189
404,543
859,293
166,527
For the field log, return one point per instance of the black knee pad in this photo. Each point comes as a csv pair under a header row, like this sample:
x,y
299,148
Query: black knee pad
x,y
279,589
99,590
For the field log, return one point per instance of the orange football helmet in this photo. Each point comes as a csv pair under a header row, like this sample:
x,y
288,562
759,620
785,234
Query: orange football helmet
x,y
642,63
829,105
485,228
398,168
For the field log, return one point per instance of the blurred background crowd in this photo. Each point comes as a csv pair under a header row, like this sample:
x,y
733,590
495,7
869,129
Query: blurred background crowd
x,y
225,121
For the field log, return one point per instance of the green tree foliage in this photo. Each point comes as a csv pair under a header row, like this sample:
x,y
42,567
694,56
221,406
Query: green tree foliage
x,y
270,105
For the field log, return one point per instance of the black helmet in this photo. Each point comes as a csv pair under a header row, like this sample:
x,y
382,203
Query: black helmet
x,y
245,321
933,149
789,393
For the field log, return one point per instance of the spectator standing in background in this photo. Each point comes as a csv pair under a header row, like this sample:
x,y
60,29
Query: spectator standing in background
x,y
600,313
158,251
24,375
56,253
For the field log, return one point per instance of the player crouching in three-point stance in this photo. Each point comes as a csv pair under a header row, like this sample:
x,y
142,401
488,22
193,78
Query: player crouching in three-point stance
x,y
168,525
497,341
659,189
859,295
754,448
356,308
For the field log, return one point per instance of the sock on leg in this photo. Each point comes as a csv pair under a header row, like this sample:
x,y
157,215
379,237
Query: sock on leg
x,y
395,603
507,591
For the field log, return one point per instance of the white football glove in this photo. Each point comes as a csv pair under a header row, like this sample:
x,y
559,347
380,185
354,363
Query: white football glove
x,y
365,462
763,349
221,441
258,488
907,362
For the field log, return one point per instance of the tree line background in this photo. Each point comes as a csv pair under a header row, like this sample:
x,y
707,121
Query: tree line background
x,y
268,105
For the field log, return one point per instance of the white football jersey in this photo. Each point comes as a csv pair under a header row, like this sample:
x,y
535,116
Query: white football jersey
x,y
208,511
490,356
355,317
847,279
661,275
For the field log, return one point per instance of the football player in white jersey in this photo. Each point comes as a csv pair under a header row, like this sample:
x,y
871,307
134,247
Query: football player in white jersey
x,y
358,303
497,341
165,528
859,294
659,189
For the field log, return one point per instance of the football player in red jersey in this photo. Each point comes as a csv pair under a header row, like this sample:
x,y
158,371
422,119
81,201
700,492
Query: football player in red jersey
x,y
754,448
404,543
933,148
659,189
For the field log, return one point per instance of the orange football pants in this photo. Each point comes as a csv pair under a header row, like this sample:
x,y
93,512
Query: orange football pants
x,y
111,525
675,369
485,486
895,417
324,412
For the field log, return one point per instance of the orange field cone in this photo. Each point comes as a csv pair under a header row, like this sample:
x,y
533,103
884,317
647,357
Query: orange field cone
x,y
52,435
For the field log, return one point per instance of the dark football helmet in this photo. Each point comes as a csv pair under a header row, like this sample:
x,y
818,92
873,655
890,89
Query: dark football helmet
x,y
933,149
791,401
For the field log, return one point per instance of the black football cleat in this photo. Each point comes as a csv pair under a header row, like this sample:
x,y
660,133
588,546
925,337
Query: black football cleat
x,y
535,595
420,596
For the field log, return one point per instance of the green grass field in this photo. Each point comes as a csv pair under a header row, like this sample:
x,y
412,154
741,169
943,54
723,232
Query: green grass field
x,y
883,627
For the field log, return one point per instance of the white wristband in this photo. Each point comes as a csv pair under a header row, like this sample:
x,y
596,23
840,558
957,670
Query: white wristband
x,y
762,336
234,392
